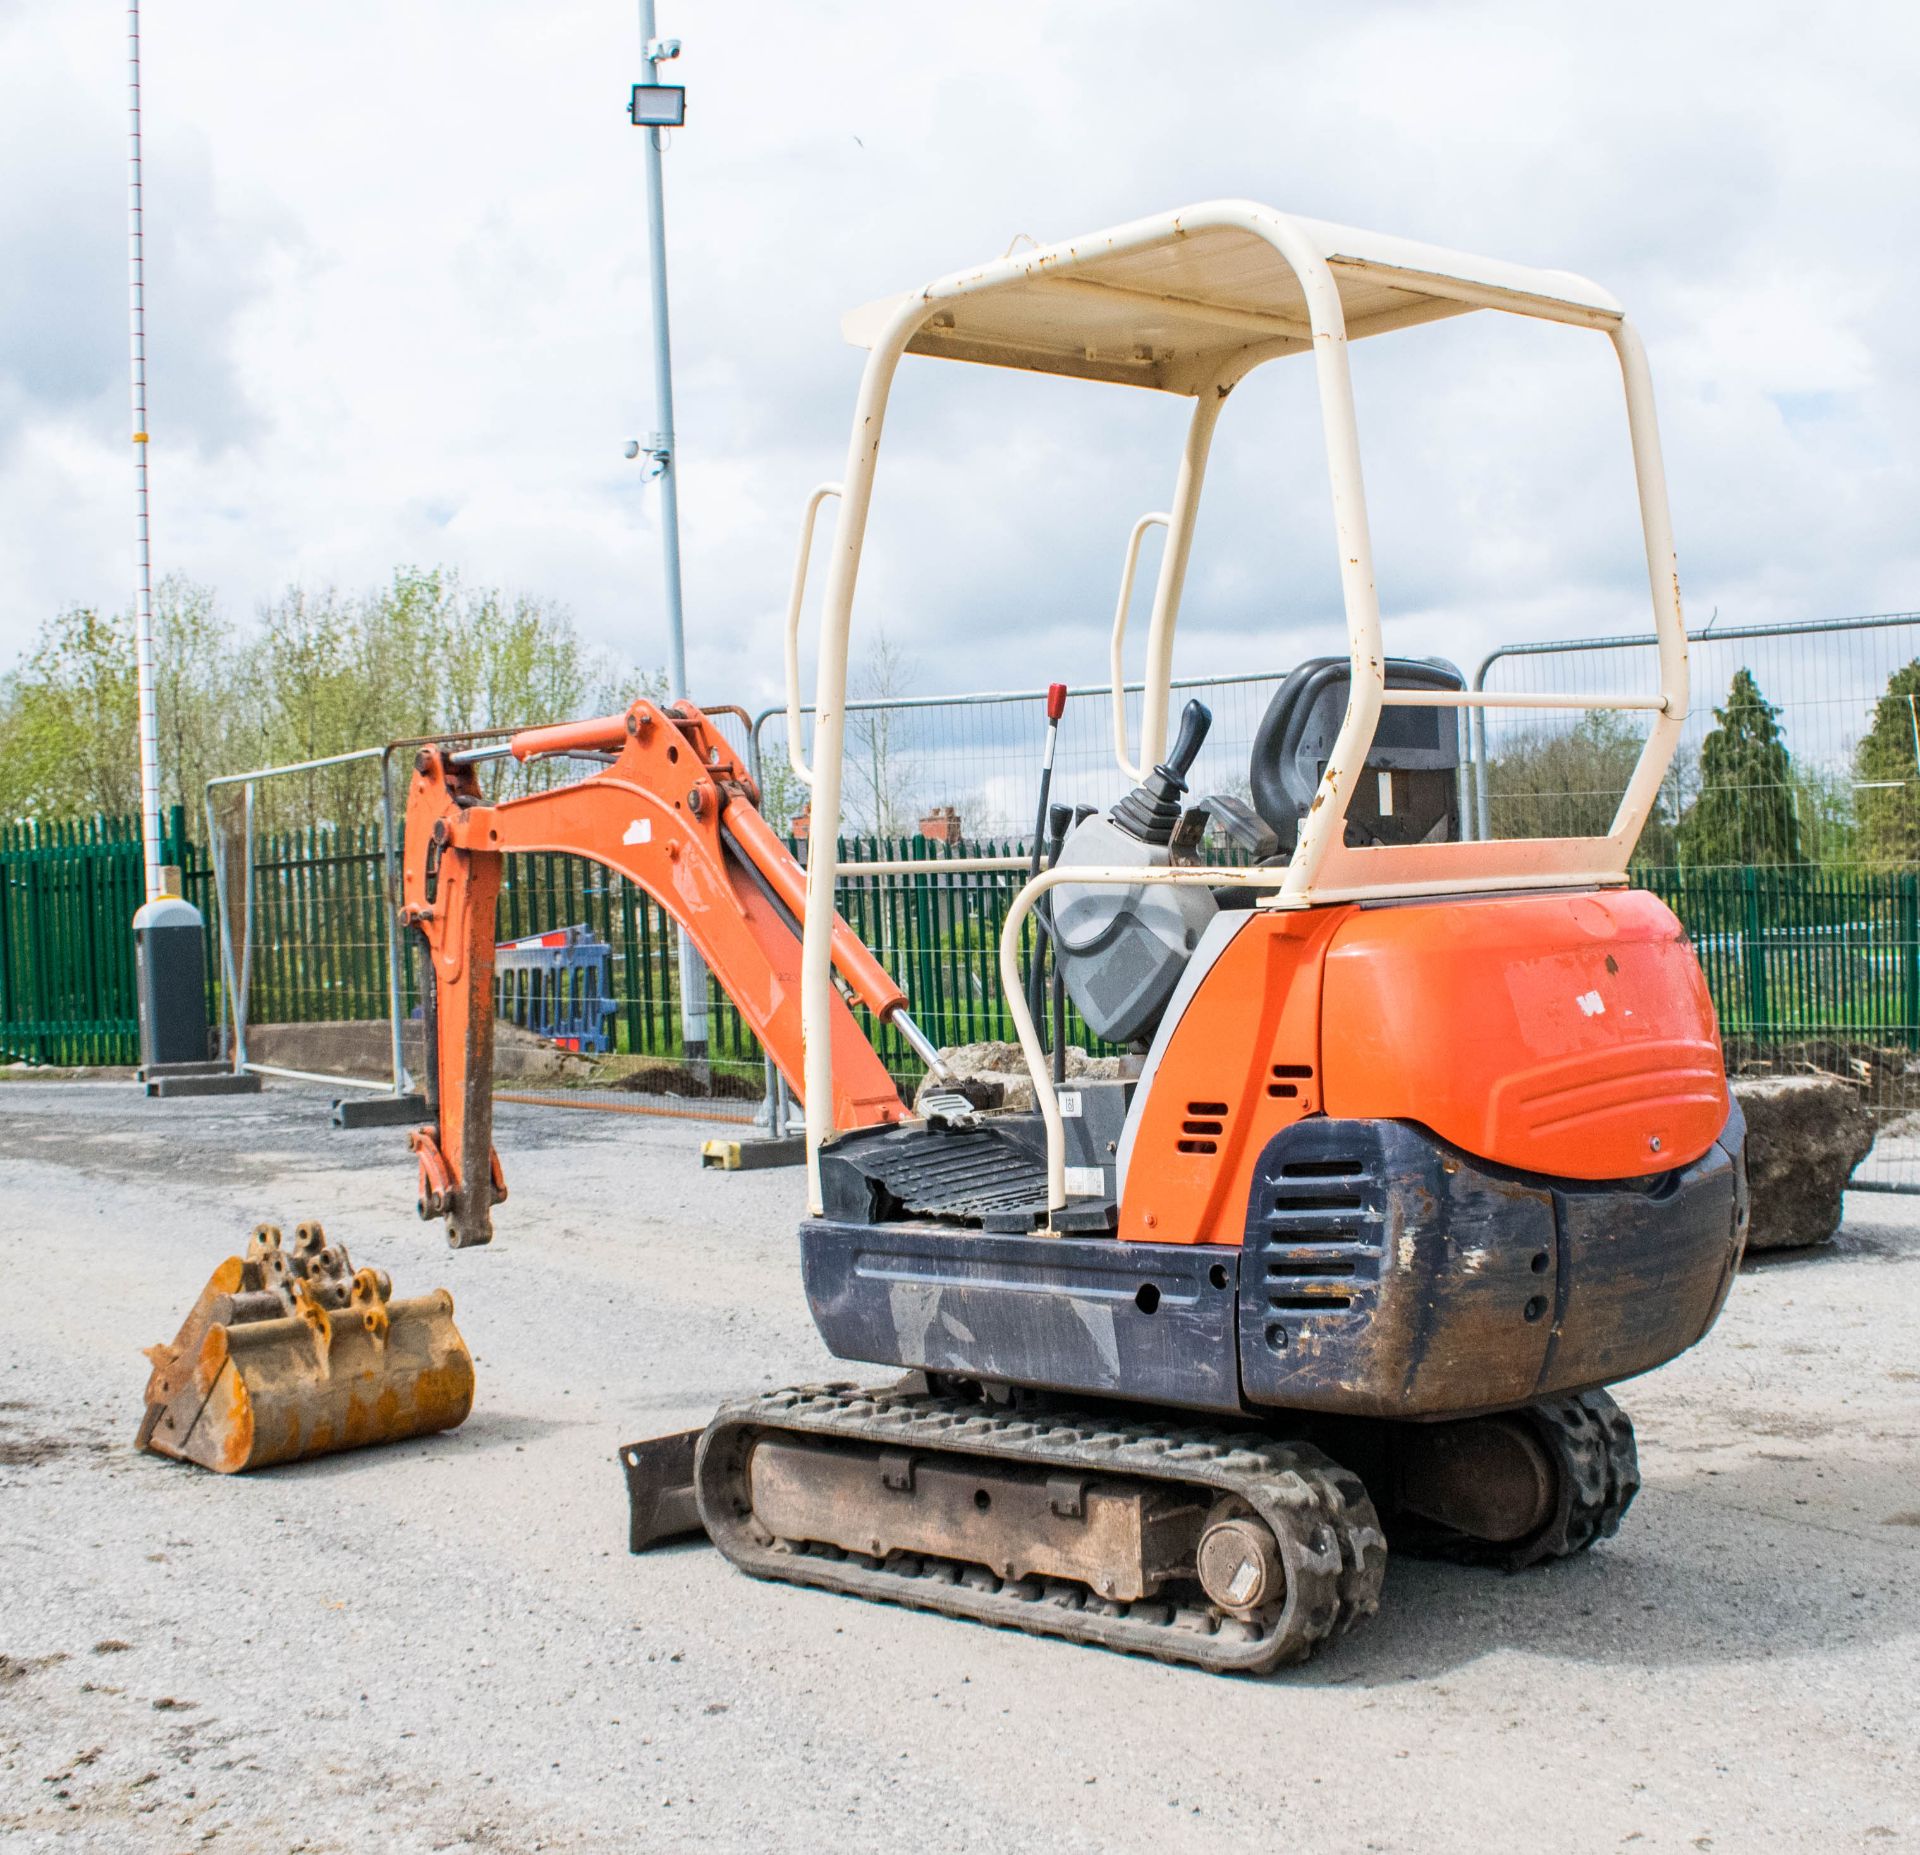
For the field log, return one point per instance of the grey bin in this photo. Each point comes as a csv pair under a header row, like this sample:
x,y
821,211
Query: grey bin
x,y
170,952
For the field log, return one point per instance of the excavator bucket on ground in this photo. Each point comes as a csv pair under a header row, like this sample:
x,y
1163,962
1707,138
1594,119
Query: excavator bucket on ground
x,y
286,1356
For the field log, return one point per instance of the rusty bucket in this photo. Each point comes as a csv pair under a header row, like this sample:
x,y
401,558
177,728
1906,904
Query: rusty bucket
x,y
289,1355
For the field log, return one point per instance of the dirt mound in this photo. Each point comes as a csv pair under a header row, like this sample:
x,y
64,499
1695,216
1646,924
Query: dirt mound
x,y
668,1078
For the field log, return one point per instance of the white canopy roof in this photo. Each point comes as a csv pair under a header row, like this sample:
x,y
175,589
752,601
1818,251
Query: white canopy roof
x,y
1165,302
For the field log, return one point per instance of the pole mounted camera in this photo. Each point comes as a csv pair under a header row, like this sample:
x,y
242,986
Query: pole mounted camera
x,y
654,105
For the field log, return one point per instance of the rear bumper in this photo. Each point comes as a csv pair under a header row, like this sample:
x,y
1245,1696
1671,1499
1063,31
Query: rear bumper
x,y
1387,1274
1384,1274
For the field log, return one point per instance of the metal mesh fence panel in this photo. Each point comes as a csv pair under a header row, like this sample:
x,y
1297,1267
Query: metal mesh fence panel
x,y
1839,699
978,756
301,924
936,930
1787,838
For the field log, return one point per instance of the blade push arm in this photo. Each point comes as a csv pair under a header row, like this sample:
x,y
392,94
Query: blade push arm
x,y
675,812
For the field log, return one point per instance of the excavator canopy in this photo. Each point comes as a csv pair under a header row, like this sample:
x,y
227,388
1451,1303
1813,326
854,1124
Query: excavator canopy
x,y
1167,311
1190,302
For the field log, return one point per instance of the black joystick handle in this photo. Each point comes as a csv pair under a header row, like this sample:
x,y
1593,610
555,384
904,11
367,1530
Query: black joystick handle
x,y
1152,809
1195,719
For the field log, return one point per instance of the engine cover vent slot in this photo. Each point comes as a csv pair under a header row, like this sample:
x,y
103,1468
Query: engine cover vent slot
x,y
1203,1127
1317,1230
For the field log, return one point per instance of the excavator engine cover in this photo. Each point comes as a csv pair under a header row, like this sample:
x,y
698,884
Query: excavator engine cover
x,y
286,1356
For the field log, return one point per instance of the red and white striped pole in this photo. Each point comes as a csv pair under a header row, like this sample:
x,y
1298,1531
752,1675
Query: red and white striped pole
x,y
143,586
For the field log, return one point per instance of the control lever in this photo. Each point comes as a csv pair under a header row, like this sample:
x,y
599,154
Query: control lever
x,y
1195,719
1152,809
1056,707
1060,820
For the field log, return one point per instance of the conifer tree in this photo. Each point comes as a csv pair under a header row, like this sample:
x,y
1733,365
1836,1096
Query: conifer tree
x,y
1745,812
1887,768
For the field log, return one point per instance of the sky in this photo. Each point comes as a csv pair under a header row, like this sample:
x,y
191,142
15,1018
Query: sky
x,y
397,312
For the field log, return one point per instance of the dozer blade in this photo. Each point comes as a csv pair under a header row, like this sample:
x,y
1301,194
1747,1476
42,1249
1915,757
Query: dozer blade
x,y
661,1503
288,1356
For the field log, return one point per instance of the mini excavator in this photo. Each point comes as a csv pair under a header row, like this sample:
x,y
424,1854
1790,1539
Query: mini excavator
x,y
1424,1142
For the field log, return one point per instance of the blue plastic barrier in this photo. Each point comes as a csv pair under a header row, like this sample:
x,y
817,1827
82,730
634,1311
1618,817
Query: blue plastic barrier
x,y
559,986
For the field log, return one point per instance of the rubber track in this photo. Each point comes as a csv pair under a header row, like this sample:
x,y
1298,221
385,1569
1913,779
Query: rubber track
x,y
1330,1539
1590,1439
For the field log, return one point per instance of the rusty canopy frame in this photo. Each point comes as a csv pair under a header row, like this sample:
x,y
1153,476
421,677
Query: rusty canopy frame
x,y
1190,303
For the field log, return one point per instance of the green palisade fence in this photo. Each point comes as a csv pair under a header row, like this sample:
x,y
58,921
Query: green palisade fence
x,y
1790,954
1795,954
68,892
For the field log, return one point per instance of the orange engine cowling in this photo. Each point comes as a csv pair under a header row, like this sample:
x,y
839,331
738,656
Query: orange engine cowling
x,y
1569,1036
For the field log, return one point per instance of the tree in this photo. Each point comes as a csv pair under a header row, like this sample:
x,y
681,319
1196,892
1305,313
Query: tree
x,y
1745,812
69,744
782,795
321,674
1567,782
1824,802
1886,768
880,789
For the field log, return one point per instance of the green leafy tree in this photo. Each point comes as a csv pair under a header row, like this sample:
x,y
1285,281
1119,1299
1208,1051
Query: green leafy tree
x,y
782,796
1886,768
1745,811
68,712
1567,782
321,673
1823,799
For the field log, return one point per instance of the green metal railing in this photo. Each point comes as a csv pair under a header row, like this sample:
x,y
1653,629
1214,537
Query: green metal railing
x,y
68,892
1790,954
1794,954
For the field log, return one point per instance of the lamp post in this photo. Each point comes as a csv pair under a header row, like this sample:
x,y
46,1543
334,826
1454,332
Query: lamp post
x,y
657,107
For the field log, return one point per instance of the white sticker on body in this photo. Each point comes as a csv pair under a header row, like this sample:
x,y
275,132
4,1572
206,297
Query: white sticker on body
x,y
1086,1182
1069,1100
1592,1004
639,832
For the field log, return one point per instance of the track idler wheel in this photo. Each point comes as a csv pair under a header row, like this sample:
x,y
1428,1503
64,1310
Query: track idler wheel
x,y
1521,1488
293,1354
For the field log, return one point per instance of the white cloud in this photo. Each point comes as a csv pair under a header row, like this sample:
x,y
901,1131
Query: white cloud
x,y
398,310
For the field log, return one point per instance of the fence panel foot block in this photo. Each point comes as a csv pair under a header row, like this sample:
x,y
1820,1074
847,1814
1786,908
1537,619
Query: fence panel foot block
x,y
753,1155
191,1079
380,1111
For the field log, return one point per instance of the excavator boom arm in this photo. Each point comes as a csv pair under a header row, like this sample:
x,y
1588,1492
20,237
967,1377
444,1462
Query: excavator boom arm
x,y
674,812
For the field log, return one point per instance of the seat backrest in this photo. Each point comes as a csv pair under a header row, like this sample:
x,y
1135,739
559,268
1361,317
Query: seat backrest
x,y
1410,793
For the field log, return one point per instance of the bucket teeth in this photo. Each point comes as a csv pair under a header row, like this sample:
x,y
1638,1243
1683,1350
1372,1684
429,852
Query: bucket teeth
x,y
290,1353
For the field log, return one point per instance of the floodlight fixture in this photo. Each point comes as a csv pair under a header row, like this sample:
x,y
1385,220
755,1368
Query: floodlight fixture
x,y
658,106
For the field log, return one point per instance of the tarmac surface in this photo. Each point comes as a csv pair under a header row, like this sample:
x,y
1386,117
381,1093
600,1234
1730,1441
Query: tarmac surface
x,y
445,1646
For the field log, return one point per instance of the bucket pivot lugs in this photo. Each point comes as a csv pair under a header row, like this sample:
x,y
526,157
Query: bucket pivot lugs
x,y
293,1355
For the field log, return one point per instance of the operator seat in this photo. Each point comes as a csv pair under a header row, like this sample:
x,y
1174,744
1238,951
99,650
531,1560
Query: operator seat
x,y
1410,791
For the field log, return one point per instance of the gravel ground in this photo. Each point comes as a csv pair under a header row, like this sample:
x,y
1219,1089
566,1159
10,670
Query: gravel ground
x,y
444,1645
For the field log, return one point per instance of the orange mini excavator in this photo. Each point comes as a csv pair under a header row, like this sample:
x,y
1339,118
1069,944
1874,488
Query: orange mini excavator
x,y
1425,1140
